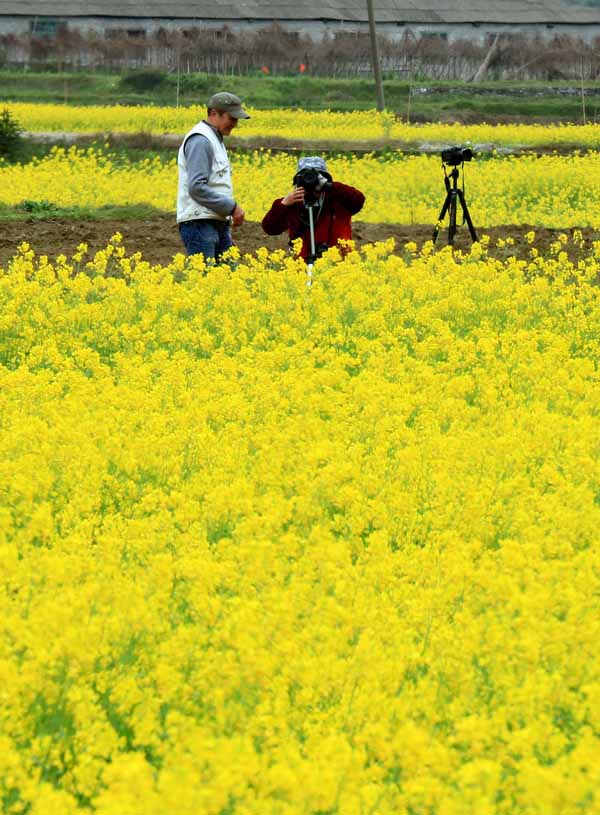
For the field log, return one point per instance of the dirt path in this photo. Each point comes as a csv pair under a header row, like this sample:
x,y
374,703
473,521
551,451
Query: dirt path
x,y
158,239
275,144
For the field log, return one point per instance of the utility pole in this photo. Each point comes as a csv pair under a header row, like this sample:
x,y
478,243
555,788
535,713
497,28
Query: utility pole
x,y
375,57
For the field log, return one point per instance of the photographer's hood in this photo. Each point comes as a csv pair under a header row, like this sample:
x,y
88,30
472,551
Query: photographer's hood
x,y
314,163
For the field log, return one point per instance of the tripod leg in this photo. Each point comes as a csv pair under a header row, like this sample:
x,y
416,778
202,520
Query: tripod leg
x,y
311,225
467,216
309,274
452,225
441,217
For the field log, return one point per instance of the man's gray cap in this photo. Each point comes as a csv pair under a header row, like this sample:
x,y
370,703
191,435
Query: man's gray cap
x,y
229,103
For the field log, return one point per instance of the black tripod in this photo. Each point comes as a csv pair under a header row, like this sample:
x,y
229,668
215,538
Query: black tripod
x,y
452,194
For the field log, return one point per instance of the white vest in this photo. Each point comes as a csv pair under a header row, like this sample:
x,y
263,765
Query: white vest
x,y
219,178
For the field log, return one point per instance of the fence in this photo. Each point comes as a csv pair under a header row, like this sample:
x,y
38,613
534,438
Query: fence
x,y
276,51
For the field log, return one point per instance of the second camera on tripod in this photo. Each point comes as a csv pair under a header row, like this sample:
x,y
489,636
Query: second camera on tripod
x,y
453,156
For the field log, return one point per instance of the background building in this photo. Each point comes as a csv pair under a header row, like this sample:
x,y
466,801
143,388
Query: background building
x,y
419,39
460,19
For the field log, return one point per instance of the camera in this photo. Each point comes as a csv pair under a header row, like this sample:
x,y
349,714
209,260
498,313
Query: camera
x,y
308,179
456,155
311,182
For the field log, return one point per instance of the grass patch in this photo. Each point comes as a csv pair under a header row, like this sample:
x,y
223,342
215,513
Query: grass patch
x,y
541,109
486,99
124,151
44,210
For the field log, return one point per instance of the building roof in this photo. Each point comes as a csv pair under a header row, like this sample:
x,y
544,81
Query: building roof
x,y
386,11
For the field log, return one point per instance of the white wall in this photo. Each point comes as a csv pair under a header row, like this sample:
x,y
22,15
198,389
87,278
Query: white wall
x,y
314,29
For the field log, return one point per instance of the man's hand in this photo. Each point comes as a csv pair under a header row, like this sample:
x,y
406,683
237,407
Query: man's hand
x,y
237,216
296,196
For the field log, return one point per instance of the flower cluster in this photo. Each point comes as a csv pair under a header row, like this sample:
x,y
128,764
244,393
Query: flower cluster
x,y
552,191
292,124
269,549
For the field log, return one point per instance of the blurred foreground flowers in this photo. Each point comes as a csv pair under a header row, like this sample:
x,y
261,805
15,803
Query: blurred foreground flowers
x,y
267,549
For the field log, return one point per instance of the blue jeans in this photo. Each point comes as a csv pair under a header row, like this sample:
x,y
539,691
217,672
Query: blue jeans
x,y
207,236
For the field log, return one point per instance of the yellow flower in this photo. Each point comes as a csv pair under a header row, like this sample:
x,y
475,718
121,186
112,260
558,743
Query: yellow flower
x,y
270,551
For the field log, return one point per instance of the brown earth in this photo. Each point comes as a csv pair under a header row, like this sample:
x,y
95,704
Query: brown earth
x,y
158,240
275,144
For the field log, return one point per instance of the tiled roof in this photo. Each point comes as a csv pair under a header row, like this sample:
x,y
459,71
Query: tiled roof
x,y
394,11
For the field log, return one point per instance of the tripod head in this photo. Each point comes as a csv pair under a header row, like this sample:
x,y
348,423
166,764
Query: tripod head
x,y
453,175
453,157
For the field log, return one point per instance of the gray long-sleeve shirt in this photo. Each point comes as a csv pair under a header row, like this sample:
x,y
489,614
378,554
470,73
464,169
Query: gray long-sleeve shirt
x,y
199,155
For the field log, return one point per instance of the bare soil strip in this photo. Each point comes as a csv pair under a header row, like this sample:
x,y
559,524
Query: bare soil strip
x,y
158,239
171,141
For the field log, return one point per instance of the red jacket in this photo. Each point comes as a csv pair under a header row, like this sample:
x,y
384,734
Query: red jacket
x,y
333,221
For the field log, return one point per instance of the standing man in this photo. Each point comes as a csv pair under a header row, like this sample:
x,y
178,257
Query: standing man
x,y
206,207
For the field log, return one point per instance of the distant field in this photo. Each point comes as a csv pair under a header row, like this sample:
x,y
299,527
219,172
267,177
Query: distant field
x,y
291,127
416,100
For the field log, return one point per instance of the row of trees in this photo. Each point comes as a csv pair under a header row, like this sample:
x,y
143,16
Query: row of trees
x,y
277,51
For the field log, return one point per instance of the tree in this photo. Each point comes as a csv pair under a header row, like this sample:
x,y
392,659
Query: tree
x,y
11,141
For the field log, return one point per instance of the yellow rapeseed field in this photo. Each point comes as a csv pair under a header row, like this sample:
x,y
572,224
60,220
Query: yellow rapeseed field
x,y
294,124
276,550
553,191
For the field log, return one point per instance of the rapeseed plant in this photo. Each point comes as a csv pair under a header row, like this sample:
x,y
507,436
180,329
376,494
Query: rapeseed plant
x,y
551,191
267,550
291,124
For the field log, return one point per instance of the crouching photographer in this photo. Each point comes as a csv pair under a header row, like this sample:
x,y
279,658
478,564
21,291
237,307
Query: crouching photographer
x,y
319,210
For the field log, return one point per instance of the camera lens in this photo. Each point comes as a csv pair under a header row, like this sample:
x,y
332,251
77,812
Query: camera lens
x,y
308,178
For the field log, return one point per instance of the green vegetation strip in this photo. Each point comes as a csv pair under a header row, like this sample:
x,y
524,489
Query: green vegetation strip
x,y
44,210
415,100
